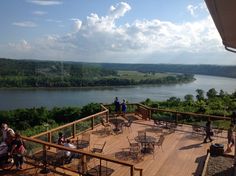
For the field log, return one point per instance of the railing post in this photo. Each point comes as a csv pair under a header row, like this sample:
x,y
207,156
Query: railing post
x,y
50,137
45,170
176,118
132,171
141,172
74,130
92,122
107,116
100,168
84,164
150,114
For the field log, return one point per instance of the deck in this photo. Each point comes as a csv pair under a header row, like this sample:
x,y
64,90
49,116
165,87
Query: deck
x,y
183,152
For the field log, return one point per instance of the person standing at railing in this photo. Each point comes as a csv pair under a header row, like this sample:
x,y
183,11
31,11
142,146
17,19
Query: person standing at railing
x,y
123,107
117,106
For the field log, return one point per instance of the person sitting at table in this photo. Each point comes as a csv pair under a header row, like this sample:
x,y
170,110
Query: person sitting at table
x,y
61,139
69,156
8,134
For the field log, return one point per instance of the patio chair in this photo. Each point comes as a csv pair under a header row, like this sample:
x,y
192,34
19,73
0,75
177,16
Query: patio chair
x,y
141,133
127,124
135,153
84,142
98,148
158,123
107,127
131,143
159,142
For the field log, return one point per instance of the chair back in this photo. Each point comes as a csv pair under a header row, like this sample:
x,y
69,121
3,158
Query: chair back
x,y
141,133
156,122
132,143
134,149
161,140
103,122
103,146
86,137
129,123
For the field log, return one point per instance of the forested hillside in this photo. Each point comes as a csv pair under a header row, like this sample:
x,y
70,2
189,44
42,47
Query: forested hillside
x,y
29,73
214,70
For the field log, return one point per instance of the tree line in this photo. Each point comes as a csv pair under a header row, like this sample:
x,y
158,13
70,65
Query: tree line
x,y
214,70
27,73
211,102
32,121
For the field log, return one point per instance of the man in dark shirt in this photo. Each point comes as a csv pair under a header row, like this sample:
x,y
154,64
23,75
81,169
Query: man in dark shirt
x,y
117,105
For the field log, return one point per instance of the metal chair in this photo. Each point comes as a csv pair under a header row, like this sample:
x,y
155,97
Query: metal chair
x,y
141,133
128,124
98,148
107,127
135,152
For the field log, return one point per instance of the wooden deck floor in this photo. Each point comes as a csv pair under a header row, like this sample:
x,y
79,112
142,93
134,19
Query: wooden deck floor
x,y
183,152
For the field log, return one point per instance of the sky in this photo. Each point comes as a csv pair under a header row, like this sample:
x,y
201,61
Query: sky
x,y
112,31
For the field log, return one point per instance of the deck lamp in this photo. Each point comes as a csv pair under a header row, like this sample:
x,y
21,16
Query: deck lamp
x,y
223,14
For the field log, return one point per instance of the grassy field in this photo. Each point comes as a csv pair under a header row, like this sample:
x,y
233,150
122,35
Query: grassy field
x,y
135,75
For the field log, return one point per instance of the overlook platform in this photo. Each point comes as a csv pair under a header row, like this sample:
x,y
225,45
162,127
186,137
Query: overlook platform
x,y
183,152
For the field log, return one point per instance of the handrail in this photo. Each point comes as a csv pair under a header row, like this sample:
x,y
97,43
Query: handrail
x,y
71,123
191,113
98,156
105,111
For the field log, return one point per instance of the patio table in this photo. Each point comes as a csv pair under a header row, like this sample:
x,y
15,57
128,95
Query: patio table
x,y
117,123
80,144
145,142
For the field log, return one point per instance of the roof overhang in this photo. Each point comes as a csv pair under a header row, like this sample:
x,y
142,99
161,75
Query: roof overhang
x,y
223,13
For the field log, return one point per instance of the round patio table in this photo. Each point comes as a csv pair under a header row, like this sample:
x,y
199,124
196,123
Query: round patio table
x,y
145,142
117,123
82,144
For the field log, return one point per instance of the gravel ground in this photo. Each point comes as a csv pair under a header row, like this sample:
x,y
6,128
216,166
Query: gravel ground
x,y
220,166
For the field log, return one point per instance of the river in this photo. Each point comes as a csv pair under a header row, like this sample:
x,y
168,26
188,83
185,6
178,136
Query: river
x,y
27,98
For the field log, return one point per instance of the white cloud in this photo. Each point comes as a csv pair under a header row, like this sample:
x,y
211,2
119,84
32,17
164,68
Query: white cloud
x,y
40,13
119,10
195,10
53,21
29,24
45,2
99,39
77,24
22,46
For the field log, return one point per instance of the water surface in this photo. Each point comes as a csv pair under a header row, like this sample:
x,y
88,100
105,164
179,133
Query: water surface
x,y
27,98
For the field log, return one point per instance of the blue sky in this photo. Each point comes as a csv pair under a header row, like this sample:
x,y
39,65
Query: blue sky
x,y
132,31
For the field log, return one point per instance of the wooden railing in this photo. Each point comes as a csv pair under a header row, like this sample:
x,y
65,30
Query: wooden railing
x,y
71,127
143,111
43,147
47,144
176,116
146,112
